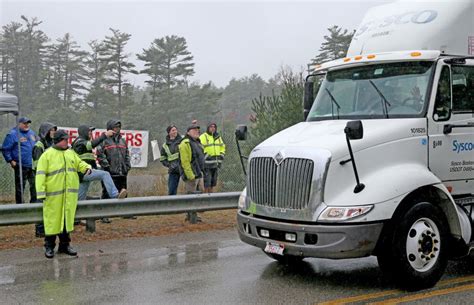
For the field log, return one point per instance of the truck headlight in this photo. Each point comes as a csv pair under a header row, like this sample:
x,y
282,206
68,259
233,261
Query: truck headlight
x,y
344,213
242,198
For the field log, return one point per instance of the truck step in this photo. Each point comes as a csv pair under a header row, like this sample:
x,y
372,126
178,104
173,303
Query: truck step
x,y
464,201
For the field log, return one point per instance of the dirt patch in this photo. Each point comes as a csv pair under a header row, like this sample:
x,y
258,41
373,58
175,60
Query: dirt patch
x,y
21,237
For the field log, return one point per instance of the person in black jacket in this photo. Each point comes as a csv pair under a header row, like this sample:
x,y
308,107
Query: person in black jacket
x,y
83,146
114,157
46,134
170,158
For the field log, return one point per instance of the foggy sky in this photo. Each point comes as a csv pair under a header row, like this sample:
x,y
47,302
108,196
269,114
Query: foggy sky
x,y
227,38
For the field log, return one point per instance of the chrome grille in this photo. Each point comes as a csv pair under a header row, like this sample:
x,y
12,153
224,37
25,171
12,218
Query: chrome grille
x,y
287,185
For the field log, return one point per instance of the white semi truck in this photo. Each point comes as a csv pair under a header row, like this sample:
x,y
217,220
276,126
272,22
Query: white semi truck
x,y
384,162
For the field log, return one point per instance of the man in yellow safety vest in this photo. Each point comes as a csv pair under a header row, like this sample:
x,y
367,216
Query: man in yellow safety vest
x,y
214,150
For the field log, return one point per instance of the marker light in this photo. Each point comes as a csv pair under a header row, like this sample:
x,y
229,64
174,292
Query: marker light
x,y
242,198
344,213
415,54
358,58
347,59
370,56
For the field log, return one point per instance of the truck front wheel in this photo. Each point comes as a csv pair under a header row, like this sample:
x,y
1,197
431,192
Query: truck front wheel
x,y
414,252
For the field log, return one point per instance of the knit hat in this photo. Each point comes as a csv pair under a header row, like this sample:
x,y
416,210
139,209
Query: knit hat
x,y
60,135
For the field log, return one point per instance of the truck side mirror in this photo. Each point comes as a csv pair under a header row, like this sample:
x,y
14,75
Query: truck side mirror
x,y
354,130
308,97
241,132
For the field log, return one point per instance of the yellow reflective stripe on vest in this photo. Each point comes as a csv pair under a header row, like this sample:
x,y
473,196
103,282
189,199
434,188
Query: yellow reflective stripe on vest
x,y
89,145
87,156
61,170
212,147
40,144
170,156
58,192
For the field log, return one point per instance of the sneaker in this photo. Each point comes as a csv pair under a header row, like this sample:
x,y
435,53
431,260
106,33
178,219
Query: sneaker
x,y
123,194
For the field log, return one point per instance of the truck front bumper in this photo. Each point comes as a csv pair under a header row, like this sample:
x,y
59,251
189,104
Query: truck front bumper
x,y
324,241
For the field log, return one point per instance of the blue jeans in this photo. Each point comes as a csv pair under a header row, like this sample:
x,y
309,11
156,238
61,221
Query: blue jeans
x,y
98,175
173,181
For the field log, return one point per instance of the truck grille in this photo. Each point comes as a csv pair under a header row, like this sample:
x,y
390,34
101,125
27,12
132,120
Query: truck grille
x,y
287,185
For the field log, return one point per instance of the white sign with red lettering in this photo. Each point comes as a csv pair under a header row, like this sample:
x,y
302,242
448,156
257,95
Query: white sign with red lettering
x,y
137,142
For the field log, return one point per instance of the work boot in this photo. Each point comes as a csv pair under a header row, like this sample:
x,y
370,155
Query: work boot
x,y
123,194
49,252
67,250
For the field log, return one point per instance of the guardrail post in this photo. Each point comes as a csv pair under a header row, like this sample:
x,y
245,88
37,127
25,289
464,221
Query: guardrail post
x,y
193,217
90,225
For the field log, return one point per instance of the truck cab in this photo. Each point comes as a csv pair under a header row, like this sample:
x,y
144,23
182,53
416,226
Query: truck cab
x,y
384,162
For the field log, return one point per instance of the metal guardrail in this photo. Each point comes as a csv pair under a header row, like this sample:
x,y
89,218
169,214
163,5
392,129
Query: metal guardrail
x,y
17,214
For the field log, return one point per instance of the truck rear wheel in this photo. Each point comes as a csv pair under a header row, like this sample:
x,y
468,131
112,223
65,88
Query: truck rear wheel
x,y
415,252
285,259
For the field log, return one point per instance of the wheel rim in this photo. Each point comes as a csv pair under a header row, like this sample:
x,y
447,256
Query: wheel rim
x,y
423,244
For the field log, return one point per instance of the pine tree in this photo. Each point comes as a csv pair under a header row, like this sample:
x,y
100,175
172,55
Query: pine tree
x,y
335,45
277,112
67,74
117,64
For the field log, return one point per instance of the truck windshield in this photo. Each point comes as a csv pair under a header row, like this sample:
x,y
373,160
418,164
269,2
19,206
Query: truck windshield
x,y
391,90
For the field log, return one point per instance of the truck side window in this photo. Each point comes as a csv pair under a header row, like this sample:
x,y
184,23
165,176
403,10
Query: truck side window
x,y
463,89
443,96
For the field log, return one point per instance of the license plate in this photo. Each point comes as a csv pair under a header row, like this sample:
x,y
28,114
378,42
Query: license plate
x,y
274,248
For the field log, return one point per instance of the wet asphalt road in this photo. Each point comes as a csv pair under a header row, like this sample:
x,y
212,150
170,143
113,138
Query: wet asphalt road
x,y
209,268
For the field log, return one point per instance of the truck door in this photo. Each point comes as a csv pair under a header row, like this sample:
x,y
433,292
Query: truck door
x,y
451,129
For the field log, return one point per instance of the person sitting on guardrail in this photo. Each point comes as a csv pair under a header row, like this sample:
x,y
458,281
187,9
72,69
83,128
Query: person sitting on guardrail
x,y
46,134
83,146
57,185
170,157
191,157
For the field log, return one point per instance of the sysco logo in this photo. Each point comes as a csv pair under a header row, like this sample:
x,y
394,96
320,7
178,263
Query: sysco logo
x,y
459,147
416,17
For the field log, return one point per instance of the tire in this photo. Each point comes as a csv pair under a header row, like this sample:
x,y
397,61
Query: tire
x,y
414,253
285,259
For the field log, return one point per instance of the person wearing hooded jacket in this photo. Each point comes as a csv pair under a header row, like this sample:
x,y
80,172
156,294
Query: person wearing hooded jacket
x,y
114,157
170,158
83,146
46,134
57,185
214,150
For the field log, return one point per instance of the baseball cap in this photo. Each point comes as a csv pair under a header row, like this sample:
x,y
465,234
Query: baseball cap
x,y
24,120
193,126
